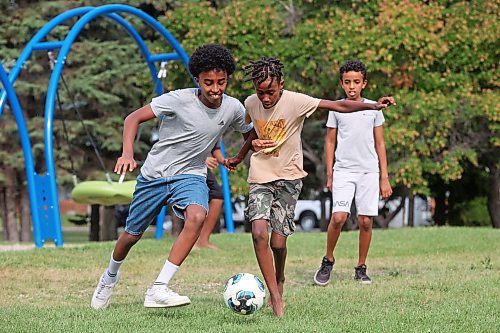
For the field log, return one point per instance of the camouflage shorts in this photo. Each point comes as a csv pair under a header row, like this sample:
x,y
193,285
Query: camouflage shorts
x,y
275,202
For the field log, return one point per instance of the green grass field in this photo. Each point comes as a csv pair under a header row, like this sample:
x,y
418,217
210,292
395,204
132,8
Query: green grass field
x,y
425,280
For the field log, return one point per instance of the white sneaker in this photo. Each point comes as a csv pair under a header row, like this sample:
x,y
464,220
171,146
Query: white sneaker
x,y
164,297
102,293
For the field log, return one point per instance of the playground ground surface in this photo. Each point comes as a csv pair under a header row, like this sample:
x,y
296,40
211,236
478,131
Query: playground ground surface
x,y
425,280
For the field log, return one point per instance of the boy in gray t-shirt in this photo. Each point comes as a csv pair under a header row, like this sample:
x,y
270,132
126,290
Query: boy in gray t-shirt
x,y
191,122
359,172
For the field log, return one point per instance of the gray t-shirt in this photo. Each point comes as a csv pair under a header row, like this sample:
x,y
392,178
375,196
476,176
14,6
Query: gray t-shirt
x,y
355,150
188,132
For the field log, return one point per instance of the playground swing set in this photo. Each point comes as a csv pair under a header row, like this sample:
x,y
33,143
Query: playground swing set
x,y
42,188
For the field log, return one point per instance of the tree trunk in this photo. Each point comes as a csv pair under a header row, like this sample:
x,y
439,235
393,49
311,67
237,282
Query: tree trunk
x,y
107,223
11,230
94,223
3,209
25,212
411,209
494,197
440,210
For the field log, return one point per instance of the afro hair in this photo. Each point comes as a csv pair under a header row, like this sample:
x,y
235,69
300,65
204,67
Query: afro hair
x,y
353,66
209,57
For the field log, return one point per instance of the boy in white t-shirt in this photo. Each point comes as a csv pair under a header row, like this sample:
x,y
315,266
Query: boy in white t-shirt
x,y
276,168
357,170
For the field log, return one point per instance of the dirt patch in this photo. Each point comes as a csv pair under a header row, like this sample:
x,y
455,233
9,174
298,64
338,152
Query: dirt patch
x,y
17,247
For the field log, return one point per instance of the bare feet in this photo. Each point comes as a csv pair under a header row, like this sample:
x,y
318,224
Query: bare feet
x,y
205,245
278,306
280,290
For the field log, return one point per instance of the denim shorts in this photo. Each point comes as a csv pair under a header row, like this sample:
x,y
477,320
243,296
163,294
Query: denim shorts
x,y
150,196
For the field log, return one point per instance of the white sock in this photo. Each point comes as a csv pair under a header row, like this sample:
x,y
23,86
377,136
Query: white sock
x,y
112,271
166,274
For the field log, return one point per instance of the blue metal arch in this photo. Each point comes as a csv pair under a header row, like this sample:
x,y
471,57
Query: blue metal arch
x,y
25,142
43,188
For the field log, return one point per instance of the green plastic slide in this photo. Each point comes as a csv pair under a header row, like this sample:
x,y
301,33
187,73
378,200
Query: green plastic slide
x,y
103,193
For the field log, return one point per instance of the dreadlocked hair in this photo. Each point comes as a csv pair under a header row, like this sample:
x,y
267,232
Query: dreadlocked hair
x,y
263,69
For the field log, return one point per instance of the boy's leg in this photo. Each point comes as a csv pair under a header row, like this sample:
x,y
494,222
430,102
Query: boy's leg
x,y
264,256
278,246
367,196
342,194
151,195
286,193
190,196
216,200
365,237
333,233
195,215
109,279
214,209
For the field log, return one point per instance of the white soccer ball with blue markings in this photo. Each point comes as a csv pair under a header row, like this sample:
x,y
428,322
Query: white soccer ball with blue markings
x,y
244,293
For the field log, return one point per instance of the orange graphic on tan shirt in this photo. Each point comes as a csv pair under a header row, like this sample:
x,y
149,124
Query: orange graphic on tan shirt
x,y
272,130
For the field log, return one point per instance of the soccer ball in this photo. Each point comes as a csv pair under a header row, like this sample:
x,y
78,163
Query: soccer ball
x,y
244,293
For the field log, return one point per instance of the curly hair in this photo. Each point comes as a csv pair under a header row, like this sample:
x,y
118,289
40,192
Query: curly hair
x,y
353,66
263,69
209,57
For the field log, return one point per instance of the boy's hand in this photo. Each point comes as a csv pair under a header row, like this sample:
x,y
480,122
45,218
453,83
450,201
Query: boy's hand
x,y
259,144
211,162
385,188
329,183
125,163
384,102
232,163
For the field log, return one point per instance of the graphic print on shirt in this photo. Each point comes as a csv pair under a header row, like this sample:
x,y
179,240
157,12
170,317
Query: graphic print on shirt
x,y
271,130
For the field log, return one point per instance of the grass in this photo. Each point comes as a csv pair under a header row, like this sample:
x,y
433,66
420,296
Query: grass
x,y
425,280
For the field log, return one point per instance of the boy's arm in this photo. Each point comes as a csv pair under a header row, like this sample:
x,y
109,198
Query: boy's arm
x,y
385,186
330,140
217,154
126,162
351,106
234,161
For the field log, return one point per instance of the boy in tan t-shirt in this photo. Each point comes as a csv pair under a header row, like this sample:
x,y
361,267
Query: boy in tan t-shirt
x,y
276,167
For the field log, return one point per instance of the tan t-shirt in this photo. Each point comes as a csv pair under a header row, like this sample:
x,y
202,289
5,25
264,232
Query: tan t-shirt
x,y
283,123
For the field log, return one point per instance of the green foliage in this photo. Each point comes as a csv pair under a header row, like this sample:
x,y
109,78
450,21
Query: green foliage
x,y
473,213
438,58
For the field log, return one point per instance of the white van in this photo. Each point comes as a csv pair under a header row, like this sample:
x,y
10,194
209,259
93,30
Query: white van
x,y
308,212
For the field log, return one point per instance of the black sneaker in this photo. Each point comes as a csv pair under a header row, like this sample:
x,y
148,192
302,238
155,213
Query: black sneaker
x,y
322,275
360,274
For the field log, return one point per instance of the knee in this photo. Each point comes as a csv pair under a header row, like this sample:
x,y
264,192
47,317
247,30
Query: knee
x,y
365,223
337,221
278,248
130,239
259,236
194,221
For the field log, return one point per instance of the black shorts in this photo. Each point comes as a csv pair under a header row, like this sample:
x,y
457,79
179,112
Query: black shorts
x,y
214,189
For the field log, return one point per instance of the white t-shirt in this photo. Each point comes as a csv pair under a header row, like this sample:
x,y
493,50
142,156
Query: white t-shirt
x,y
355,150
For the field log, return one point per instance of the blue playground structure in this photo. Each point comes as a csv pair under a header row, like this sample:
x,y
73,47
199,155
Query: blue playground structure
x,y
43,187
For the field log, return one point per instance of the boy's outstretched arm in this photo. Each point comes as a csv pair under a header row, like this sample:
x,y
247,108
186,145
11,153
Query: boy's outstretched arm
x,y
385,186
351,106
126,162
